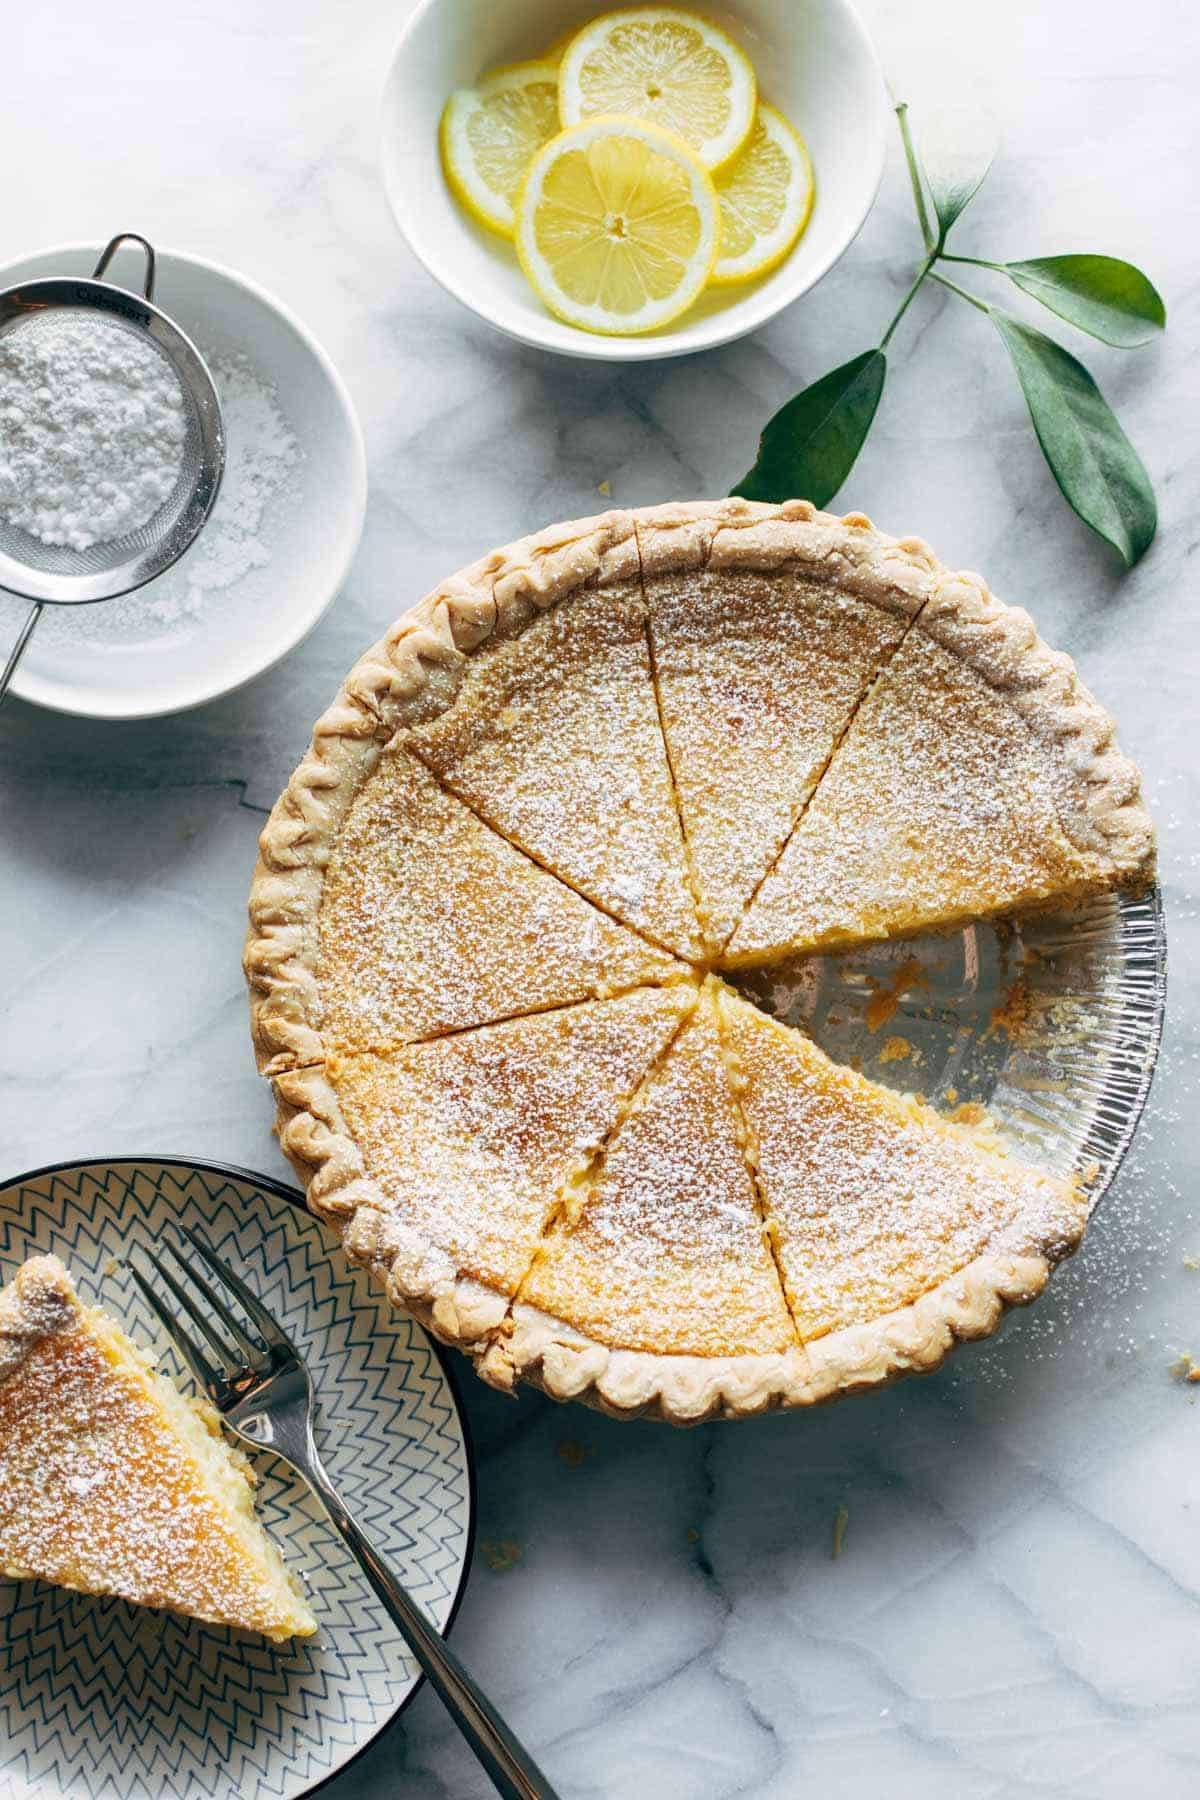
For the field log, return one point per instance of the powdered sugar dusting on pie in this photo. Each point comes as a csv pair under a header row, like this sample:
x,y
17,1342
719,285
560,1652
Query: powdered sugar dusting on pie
x,y
758,676
496,1121
554,738
871,1200
663,1249
941,805
798,734
431,922
98,1488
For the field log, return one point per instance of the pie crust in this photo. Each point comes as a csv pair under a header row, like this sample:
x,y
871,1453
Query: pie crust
x,y
495,684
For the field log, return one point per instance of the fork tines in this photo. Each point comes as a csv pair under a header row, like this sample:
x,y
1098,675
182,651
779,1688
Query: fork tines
x,y
236,1351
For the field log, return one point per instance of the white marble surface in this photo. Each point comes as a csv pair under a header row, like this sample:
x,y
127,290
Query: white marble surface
x,y
1017,1608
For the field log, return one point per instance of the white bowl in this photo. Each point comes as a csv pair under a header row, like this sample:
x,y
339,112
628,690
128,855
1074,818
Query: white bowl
x,y
814,61
312,529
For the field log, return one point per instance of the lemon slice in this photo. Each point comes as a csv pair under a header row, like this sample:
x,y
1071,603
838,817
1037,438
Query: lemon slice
x,y
490,134
766,197
618,226
665,66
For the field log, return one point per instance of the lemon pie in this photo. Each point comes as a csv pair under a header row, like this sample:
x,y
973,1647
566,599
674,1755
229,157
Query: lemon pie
x,y
112,1483
501,906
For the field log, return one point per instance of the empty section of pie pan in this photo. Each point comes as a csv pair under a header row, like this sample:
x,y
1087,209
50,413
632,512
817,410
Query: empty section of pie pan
x,y
1051,1023
814,61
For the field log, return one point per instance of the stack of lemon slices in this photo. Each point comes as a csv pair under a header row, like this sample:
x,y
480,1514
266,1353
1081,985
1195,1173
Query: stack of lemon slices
x,y
633,166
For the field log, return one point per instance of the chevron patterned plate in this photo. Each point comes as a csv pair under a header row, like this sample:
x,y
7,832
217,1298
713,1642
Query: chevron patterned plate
x,y
100,1700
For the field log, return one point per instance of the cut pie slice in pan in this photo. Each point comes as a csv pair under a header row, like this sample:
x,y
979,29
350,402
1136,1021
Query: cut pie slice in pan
x,y
554,738
977,778
492,1124
430,921
662,1249
871,1198
759,673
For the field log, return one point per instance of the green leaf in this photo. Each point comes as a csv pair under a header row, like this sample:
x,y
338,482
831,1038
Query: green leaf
x,y
956,150
1100,294
1090,457
807,450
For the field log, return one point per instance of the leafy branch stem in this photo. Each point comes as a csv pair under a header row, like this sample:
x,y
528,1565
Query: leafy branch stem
x,y
932,244
925,269
810,445
973,299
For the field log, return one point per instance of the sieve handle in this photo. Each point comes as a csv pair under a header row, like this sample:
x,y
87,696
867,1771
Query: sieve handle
x,y
15,654
110,250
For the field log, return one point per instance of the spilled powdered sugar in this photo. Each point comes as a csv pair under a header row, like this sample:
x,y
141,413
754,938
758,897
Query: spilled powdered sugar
x,y
261,453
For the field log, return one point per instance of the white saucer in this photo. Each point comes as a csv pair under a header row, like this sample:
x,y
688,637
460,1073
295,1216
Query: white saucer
x,y
312,528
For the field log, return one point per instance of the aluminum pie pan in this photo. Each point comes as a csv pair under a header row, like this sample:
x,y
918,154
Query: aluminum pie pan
x,y
1049,1024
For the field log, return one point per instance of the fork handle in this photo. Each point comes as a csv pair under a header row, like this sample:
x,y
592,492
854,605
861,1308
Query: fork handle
x,y
511,1768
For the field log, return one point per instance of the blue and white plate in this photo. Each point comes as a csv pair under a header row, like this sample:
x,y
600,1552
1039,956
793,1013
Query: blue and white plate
x,y
100,1700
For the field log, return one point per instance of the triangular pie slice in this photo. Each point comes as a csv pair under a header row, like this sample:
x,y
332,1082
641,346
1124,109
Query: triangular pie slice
x,y
662,1248
112,1483
495,1121
942,805
431,921
758,675
871,1198
554,738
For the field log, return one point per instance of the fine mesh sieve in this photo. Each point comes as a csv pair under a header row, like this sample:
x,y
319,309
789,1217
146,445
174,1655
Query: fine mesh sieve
x,y
46,313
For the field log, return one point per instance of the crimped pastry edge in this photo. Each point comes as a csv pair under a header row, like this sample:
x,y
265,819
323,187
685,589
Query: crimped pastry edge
x,y
533,1346
687,1390
416,1274
36,1303
511,1342
410,675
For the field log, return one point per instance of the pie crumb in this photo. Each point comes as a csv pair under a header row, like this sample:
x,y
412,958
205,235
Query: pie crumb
x,y
1012,1014
896,1049
572,1453
886,996
970,1112
605,488
500,1554
1191,1261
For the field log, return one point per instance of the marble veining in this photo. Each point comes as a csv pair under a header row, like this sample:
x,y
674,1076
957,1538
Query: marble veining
x,y
1016,1609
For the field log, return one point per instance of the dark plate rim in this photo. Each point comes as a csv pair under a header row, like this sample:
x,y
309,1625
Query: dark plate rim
x,y
284,1191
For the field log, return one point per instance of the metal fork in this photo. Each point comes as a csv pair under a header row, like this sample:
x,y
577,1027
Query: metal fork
x,y
263,1392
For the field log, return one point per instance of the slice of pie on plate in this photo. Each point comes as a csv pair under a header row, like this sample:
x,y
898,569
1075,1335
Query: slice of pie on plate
x,y
586,772
112,1482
